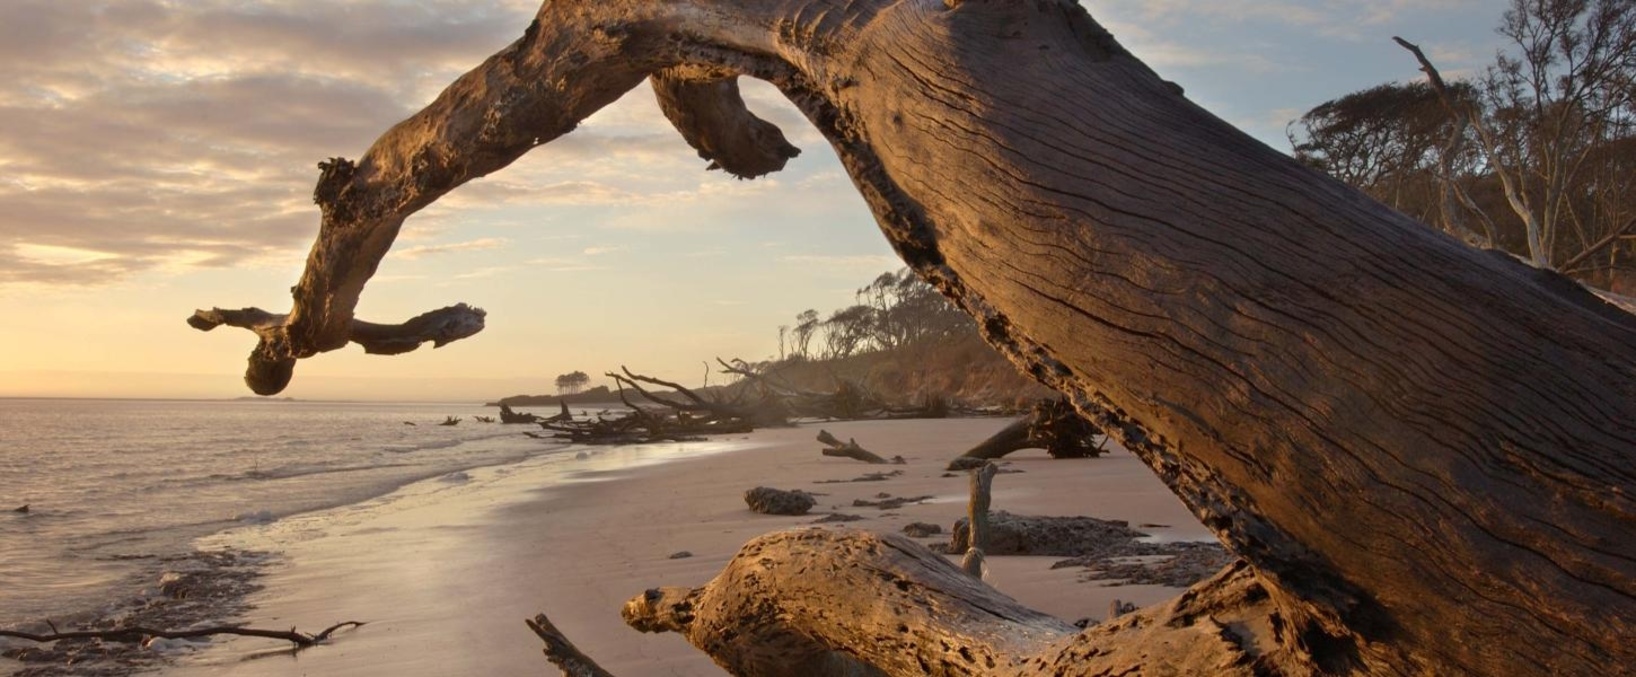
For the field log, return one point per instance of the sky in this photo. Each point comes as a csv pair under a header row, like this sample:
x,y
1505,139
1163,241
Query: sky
x,y
158,156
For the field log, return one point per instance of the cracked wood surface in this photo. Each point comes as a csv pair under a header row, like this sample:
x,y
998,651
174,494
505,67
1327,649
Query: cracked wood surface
x,y
1425,452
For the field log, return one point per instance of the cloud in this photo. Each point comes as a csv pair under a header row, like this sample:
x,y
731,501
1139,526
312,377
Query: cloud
x,y
850,265
170,136
424,251
562,265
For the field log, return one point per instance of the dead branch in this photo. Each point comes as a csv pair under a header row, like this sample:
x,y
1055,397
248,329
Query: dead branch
x,y
137,634
270,371
561,652
1053,425
850,449
684,422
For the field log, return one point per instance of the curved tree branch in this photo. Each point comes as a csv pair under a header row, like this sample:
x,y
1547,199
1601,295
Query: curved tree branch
x,y
269,375
1425,455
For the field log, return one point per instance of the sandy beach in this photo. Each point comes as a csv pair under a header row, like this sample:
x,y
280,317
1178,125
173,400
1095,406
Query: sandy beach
x,y
445,571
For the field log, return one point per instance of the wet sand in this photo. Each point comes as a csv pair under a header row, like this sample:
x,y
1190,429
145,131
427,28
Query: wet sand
x,y
445,572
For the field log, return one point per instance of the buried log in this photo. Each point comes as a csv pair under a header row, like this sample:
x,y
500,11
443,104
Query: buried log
x,y
888,606
850,449
1424,452
1053,425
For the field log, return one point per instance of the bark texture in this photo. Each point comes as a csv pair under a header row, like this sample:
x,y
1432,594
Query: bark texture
x,y
1426,455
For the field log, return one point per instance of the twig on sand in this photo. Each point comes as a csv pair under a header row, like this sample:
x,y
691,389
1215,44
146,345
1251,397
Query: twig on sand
x,y
561,652
138,634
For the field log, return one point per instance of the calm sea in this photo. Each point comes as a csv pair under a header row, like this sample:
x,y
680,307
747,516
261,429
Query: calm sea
x,y
114,485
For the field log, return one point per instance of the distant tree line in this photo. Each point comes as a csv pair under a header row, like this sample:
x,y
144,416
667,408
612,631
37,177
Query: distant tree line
x,y
1536,155
896,310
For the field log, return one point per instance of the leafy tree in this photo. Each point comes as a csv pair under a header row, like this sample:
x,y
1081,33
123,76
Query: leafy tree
x,y
572,383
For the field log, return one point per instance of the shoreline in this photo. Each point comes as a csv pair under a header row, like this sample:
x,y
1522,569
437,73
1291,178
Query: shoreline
x,y
444,573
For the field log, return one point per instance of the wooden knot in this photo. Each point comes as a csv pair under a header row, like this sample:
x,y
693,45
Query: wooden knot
x,y
333,176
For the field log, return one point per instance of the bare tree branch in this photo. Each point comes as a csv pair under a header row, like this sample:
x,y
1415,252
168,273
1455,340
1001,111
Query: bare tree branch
x,y
268,375
140,633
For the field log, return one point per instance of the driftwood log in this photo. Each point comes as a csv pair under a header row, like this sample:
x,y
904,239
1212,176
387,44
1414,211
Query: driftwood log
x,y
1426,454
850,449
1053,425
886,605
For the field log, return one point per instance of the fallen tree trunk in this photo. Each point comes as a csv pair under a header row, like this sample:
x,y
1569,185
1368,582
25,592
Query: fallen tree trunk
x,y
1426,454
1053,425
888,606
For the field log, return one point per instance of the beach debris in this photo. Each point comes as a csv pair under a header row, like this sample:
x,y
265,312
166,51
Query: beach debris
x,y
1053,425
409,423
885,501
509,416
682,416
871,477
1117,608
561,652
484,419
922,529
770,501
838,517
450,420
681,555
457,477
21,509
195,591
850,449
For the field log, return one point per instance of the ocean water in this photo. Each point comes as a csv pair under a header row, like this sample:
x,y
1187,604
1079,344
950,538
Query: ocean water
x,y
115,486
